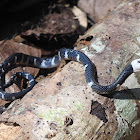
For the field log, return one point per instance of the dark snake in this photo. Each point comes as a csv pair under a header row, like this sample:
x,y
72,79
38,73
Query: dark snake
x,y
44,63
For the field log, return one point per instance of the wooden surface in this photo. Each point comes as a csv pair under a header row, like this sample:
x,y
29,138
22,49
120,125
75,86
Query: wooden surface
x,y
64,107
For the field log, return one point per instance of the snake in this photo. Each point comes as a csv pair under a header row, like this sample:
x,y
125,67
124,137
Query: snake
x,y
19,59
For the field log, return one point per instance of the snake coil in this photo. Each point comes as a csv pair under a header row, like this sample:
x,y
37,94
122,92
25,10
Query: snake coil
x,y
67,54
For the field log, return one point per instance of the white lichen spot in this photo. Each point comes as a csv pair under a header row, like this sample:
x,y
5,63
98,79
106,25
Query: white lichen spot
x,y
131,82
98,45
126,113
138,38
117,62
87,52
137,54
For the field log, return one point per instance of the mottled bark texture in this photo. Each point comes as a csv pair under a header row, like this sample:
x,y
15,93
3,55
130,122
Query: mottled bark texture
x,y
65,108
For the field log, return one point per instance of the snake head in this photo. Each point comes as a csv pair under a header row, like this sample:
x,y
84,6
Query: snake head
x,y
136,65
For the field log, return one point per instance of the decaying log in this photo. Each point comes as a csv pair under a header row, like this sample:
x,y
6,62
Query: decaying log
x,y
65,108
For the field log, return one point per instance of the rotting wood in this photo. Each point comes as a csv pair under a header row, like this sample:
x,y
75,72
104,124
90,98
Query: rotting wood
x,y
42,112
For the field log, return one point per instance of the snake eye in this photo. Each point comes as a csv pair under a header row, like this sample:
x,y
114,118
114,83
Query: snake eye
x,y
138,61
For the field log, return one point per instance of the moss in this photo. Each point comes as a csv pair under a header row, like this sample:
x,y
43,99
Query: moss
x,y
58,114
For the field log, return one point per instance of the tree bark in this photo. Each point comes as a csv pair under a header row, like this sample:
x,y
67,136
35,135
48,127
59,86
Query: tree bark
x,y
65,107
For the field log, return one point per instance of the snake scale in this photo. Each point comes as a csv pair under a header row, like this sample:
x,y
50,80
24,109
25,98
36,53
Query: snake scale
x,y
44,63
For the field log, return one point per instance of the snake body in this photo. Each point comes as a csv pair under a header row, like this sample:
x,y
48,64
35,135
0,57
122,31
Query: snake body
x,y
67,54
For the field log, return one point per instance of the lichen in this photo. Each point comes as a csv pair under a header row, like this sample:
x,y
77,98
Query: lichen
x,y
122,127
138,38
98,45
98,29
59,113
126,113
135,123
138,54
